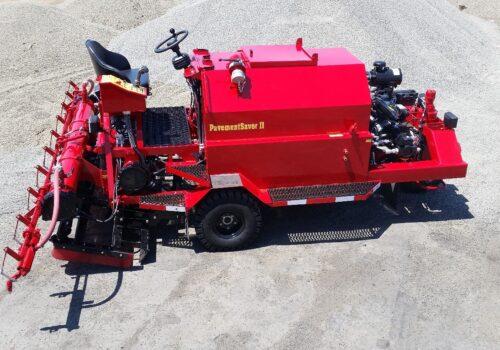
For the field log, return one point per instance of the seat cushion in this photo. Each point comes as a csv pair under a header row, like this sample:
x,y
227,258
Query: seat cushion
x,y
105,61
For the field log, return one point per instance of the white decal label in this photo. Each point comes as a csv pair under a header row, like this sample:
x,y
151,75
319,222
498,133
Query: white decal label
x,y
225,180
344,199
174,208
297,202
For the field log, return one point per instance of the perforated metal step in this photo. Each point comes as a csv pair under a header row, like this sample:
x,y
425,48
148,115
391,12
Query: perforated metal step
x,y
165,126
320,191
164,199
197,170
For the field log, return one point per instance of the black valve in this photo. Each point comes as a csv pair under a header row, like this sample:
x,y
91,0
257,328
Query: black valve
x,y
379,66
382,76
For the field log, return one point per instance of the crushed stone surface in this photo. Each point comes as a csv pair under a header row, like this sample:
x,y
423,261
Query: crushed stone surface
x,y
349,276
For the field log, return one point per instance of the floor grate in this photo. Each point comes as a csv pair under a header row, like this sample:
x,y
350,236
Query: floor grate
x,y
165,126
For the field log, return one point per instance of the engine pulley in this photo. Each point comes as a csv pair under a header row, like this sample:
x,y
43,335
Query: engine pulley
x,y
133,178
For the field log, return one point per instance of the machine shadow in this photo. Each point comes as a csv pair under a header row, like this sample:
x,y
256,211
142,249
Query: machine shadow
x,y
354,221
351,221
341,222
80,273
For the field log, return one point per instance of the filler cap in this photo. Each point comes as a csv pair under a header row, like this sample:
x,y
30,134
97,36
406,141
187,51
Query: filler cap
x,y
379,66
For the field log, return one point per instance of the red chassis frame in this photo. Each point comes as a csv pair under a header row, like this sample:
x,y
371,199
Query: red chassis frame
x,y
297,133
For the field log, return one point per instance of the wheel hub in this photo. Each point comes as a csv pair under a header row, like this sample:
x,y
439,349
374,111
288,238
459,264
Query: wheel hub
x,y
228,224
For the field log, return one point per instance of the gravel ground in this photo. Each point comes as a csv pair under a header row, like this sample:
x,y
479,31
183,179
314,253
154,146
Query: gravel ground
x,y
489,10
349,276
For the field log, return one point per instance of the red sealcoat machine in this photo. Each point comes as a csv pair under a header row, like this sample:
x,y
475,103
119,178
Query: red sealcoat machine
x,y
273,126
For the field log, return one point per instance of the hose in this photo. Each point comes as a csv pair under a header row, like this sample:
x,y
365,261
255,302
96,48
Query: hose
x,y
115,196
131,138
424,114
55,209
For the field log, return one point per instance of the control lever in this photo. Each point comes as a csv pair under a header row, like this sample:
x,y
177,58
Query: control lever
x,y
141,71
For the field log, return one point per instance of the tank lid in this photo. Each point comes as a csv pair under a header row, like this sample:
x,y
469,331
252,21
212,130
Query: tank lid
x,y
279,55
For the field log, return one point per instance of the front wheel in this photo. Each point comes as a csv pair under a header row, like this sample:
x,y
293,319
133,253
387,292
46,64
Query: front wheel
x,y
228,220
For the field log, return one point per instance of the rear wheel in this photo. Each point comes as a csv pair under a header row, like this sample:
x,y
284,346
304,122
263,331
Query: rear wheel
x,y
228,220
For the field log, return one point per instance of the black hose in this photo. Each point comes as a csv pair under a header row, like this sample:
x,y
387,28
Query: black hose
x,y
195,101
131,138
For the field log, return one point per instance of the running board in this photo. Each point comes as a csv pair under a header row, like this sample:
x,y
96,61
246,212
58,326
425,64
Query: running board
x,y
317,194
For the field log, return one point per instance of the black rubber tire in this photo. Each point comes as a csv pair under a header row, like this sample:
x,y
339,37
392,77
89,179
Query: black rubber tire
x,y
241,206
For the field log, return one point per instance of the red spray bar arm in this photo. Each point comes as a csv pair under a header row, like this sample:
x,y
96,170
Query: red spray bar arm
x,y
32,240
26,251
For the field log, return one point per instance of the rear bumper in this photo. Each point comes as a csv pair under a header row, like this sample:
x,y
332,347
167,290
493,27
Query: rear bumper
x,y
445,161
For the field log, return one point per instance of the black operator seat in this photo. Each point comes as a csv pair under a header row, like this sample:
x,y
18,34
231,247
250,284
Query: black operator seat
x,y
108,62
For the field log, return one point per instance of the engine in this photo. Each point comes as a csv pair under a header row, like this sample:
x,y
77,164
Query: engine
x,y
395,117
142,173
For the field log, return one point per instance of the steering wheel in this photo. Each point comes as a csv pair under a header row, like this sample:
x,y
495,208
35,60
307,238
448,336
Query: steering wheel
x,y
172,41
